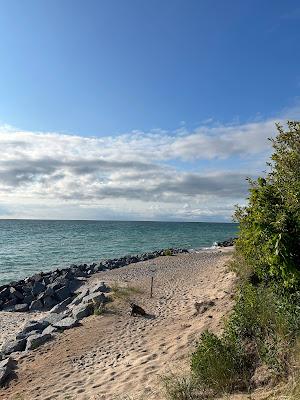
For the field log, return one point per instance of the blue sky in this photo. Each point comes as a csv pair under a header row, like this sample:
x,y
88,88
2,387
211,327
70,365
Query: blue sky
x,y
178,73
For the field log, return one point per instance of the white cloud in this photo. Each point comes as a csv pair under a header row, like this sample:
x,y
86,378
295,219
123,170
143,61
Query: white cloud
x,y
129,175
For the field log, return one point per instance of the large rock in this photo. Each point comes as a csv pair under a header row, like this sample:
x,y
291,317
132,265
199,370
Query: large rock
x,y
22,335
95,298
17,308
49,302
51,319
74,285
12,347
82,311
49,330
15,294
36,305
38,287
78,299
6,367
100,287
66,323
61,307
35,341
4,293
263,376
63,293
28,299
8,304
35,326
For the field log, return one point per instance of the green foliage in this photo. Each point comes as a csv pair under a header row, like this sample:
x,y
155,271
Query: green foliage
x,y
221,364
268,320
181,387
269,237
124,293
99,309
168,252
265,322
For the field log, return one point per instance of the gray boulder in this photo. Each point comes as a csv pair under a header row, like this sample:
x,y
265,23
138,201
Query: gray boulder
x,y
53,318
95,298
63,293
78,299
17,308
35,326
35,341
28,299
74,285
100,287
12,347
49,330
66,323
61,307
49,302
15,294
22,335
82,311
37,288
36,305
6,367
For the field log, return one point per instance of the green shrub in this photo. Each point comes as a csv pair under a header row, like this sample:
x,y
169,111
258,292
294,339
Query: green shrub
x,y
168,252
181,387
220,364
265,323
269,237
267,319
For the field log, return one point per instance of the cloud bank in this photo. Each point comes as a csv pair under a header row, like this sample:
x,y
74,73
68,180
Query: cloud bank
x,y
178,175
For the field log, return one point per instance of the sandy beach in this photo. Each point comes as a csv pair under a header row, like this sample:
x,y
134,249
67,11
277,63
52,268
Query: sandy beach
x,y
116,356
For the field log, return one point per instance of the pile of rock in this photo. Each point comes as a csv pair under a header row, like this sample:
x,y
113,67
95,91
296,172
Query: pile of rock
x,y
64,315
43,291
227,243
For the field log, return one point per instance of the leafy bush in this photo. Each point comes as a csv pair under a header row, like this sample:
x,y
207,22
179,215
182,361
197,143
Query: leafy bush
x,y
221,364
269,237
265,321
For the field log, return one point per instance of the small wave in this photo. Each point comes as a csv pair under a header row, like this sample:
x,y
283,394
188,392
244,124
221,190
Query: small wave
x,y
210,248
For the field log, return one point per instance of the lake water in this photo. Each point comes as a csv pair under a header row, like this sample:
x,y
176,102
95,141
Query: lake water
x,y
30,246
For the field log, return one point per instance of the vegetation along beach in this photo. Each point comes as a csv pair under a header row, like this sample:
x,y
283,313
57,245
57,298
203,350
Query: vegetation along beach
x,y
149,200
216,322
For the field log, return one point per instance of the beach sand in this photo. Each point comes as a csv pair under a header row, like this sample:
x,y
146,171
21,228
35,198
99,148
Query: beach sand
x,y
115,356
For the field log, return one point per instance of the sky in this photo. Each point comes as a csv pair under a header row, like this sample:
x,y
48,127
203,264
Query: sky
x,y
138,109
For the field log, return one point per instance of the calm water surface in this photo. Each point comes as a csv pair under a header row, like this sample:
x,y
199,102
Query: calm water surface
x,y
29,246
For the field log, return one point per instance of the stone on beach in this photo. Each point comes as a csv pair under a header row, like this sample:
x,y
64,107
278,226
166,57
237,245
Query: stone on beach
x,y
35,326
95,297
6,367
35,341
66,323
61,307
13,346
82,310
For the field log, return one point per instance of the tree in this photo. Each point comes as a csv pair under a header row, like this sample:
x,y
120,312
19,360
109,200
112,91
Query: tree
x,y
269,239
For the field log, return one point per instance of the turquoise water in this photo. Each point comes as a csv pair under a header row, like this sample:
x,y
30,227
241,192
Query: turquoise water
x,y
30,246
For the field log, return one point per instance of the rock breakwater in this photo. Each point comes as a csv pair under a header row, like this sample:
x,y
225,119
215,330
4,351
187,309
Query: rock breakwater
x,y
43,291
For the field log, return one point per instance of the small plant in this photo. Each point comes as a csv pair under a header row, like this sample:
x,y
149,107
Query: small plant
x,y
99,309
124,293
181,388
168,252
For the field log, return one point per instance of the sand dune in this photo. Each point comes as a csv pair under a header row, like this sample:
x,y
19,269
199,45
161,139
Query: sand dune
x,y
115,356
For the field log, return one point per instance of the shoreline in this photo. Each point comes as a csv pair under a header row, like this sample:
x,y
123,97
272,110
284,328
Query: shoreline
x,y
27,294
86,352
